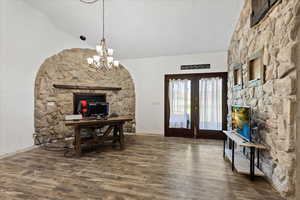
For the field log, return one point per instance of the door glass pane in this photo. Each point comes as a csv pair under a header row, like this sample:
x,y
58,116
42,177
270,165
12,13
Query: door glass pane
x,y
180,103
210,103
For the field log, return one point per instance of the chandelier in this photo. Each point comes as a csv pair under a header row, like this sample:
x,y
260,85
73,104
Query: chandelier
x,y
104,59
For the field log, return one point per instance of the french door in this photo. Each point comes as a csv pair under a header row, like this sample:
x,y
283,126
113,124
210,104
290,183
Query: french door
x,y
196,105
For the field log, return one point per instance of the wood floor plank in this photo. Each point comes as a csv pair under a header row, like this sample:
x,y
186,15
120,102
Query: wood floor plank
x,y
148,168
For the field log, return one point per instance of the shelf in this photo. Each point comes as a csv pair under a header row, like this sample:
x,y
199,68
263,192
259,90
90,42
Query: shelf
x,y
241,163
78,87
242,142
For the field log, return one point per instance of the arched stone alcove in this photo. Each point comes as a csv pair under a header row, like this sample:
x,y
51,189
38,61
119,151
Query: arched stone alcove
x,y
69,67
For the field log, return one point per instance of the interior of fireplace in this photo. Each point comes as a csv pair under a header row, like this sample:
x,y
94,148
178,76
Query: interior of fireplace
x,y
90,105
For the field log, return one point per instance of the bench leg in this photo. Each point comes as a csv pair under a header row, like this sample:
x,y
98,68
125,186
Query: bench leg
x,y
224,147
115,134
77,142
252,163
121,134
232,156
258,159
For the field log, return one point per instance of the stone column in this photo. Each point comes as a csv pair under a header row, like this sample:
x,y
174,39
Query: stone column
x,y
273,101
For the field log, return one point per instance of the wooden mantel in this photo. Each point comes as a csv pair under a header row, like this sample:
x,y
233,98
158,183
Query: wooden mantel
x,y
80,87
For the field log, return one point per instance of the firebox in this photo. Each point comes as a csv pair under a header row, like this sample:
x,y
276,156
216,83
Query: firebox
x,y
90,104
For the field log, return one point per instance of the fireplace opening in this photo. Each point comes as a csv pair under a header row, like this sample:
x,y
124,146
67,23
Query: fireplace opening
x,y
90,105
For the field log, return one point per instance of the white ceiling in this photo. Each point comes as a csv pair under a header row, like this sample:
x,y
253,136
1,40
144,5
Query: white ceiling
x,y
148,28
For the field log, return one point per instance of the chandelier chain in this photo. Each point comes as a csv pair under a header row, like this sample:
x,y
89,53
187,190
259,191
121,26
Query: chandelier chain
x,y
103,15
104,59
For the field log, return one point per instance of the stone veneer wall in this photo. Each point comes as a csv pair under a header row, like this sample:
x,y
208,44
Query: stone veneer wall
x,y
298,110
70,67
273,102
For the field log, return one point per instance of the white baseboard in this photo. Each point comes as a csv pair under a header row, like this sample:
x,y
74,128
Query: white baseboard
x,y
154,132
145,134
19,151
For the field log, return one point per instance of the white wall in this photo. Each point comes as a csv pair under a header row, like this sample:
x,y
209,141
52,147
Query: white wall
x,y
29,38
1,62
148,75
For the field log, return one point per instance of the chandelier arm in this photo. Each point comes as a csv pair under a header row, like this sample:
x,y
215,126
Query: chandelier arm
x,y
89,2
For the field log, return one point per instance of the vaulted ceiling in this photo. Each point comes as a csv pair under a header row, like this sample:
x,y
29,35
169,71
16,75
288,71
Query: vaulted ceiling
x,y
148,28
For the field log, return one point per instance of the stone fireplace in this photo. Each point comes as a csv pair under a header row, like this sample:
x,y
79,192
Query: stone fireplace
x,y
65,78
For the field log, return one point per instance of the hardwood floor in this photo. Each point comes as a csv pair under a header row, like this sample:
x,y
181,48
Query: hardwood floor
x,y
150,167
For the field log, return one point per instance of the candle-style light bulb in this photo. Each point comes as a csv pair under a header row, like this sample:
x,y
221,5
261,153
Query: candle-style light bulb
x,y
99,48
110,59
90,61
116,63
96,58
110,52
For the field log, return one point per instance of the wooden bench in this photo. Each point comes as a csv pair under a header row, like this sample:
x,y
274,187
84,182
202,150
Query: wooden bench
x,y
239,161
114,132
